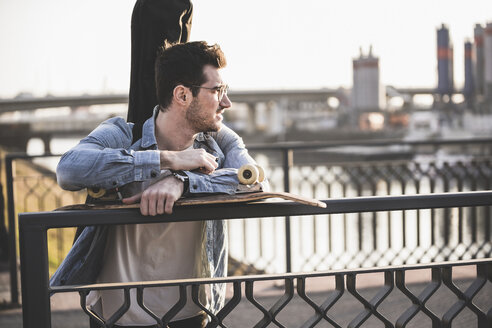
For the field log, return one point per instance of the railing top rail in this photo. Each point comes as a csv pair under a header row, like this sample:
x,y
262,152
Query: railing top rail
x,y
299,145
16,155
59,219
281,276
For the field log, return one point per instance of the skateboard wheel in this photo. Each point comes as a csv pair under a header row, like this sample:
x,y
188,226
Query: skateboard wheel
x,y
248,174
261,173
96,192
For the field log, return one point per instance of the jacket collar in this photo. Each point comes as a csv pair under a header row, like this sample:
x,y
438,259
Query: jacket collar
x,y
201,136
148,131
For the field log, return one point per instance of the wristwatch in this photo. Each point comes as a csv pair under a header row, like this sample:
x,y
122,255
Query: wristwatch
x,y
181,176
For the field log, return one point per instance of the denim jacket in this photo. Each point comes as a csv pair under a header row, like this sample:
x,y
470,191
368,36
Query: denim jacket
x,y
106,158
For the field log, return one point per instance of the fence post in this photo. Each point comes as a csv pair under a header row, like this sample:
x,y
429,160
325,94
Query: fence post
x,y
14,291
4,236
288,158
36,310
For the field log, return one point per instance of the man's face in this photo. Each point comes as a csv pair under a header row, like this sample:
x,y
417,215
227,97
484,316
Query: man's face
x,y
205,111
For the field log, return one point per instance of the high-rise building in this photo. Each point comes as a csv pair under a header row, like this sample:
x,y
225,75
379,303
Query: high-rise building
x,y
367,92
487,52
445,82
469,87
479,69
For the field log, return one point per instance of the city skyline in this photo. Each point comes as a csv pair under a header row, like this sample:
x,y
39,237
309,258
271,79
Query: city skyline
x,y
65,47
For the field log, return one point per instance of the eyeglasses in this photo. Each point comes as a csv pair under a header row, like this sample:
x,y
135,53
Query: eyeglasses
x,y
221,90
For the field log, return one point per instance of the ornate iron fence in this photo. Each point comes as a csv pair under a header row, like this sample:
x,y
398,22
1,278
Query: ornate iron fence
x,y
404,237
380,307
420,236
319,243
33,188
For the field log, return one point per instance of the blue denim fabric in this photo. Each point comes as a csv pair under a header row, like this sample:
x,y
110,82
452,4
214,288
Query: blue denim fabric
x,y
107,159
86,254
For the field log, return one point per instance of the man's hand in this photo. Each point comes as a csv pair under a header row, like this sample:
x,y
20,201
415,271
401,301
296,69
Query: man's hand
x,y
159,197
188,160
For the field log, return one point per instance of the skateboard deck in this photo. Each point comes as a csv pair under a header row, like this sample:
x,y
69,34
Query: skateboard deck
x,y
249,190
246,197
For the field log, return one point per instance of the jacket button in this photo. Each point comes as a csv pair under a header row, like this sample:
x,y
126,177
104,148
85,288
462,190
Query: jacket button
x,y
115,183
153,174
195,186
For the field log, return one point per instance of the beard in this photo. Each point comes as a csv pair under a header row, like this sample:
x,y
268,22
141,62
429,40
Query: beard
x,y
199,120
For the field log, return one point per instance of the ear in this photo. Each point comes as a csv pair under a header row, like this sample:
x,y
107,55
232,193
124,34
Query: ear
x,y
182,95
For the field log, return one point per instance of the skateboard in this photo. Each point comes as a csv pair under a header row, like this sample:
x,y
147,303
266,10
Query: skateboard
x,y
248,191
244,197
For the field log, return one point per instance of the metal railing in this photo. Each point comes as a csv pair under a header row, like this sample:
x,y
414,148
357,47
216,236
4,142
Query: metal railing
x,y
327,179
289,170
36,291
37,192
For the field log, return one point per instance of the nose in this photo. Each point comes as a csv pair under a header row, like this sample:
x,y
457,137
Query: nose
x,y
225,102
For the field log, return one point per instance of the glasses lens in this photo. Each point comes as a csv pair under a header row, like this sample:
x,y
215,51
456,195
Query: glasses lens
x,y
223,91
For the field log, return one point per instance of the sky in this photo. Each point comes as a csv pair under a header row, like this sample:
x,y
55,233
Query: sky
x,y
69,47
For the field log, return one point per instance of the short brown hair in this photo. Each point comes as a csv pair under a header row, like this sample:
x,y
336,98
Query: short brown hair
x,y
182,63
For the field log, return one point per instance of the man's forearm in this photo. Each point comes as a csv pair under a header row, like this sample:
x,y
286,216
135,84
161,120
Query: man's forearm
x,y
105,159
190,159
166,158
82,167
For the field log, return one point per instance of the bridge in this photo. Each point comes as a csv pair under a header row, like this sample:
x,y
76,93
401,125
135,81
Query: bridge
x,y
245,96
18,130
254,96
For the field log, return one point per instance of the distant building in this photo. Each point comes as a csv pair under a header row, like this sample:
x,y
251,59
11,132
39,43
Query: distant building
x,y
469,87
367,92
479,69
445,80
487,45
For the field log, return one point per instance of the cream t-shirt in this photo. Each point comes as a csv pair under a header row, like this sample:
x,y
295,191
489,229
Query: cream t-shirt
x,y
143,252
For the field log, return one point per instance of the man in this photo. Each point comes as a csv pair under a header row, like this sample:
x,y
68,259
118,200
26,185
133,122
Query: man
x,y
184,150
